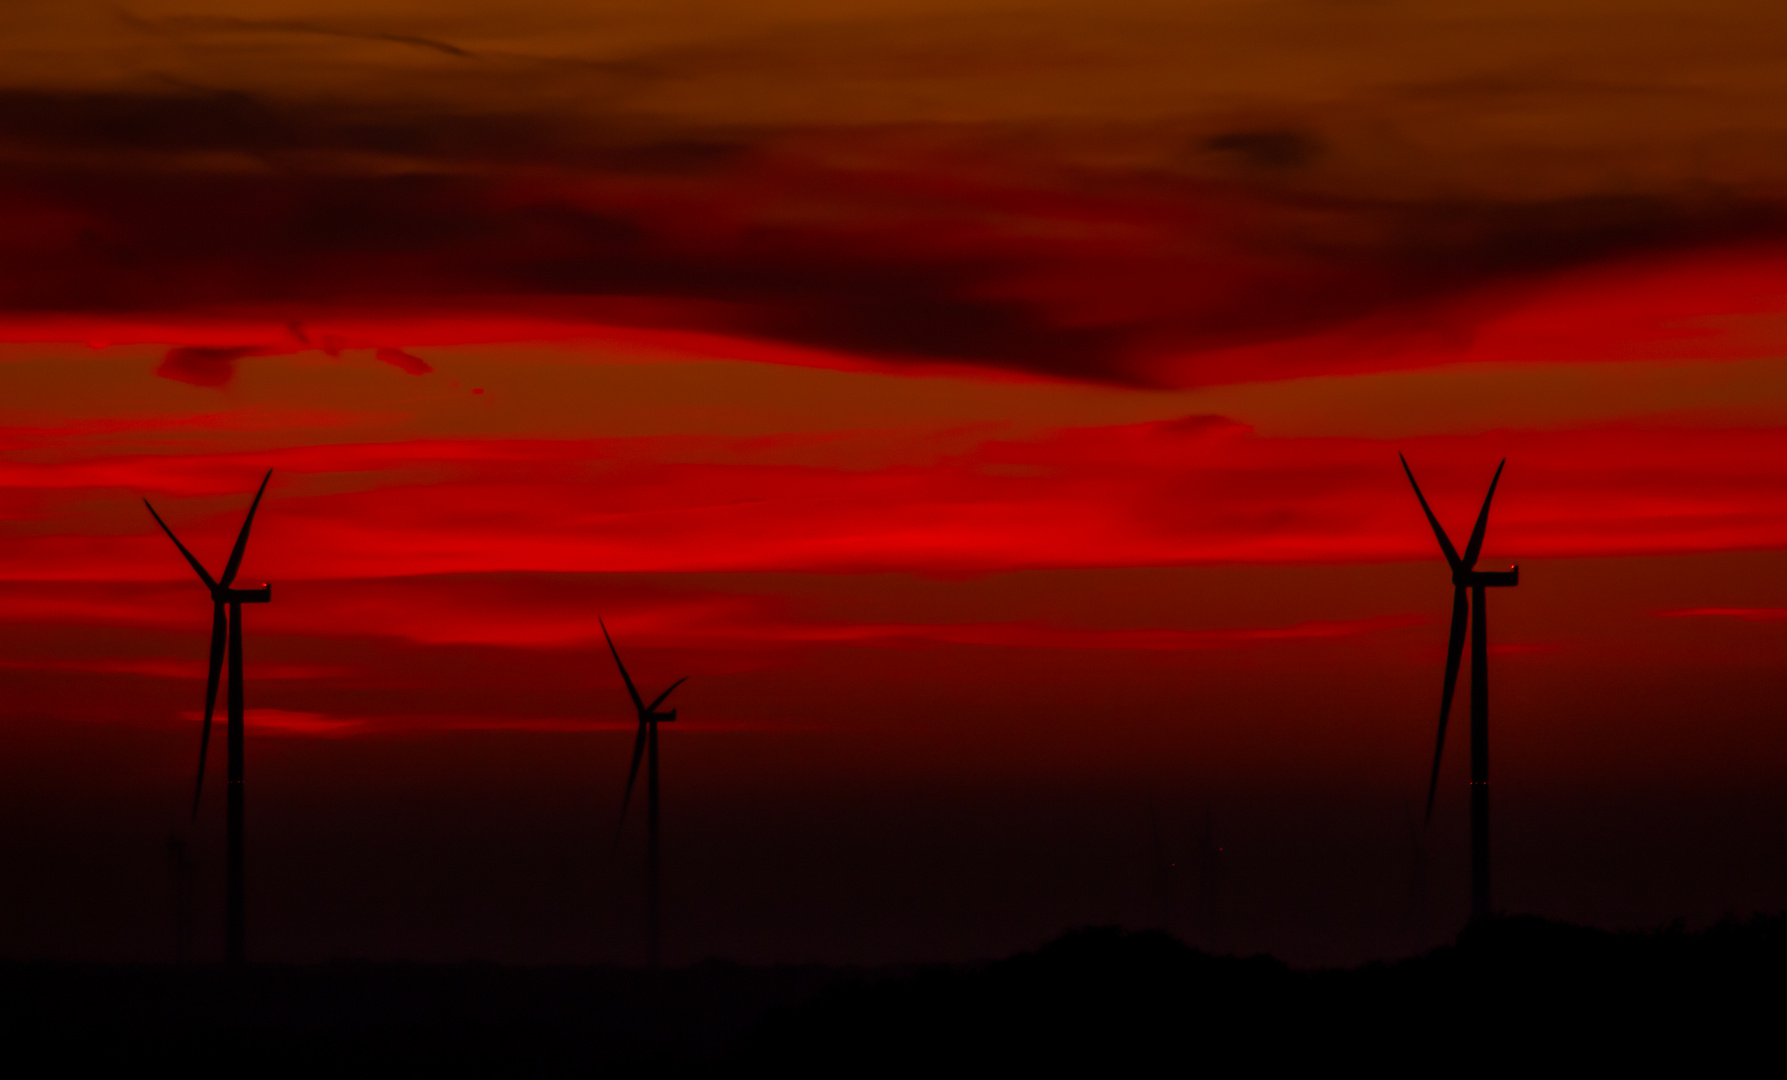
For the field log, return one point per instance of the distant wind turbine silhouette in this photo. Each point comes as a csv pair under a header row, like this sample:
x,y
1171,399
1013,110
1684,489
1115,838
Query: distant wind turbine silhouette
x,y
1163,871
181,865
224,596
1209,910
645,744
1420,911
1465,576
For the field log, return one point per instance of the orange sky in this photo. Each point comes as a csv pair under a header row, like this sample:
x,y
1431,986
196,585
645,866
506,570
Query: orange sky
x,y
991,407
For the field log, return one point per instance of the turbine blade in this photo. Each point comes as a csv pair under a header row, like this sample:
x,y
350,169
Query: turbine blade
x,y
219,623
1461,606
1472,549
235,563
632,775
653,707
628,679
196,565
1445,542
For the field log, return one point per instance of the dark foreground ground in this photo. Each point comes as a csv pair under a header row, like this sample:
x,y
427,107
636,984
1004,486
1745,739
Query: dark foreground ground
x,y
1512,993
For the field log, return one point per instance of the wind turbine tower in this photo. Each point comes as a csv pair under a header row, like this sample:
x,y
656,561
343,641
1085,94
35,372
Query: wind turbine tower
x,y
645,744
226,618
1468,585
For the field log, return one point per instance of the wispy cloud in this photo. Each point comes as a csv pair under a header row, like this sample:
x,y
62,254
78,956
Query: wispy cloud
x,y
1042,636
1745,614
292,722
1197,490
163,668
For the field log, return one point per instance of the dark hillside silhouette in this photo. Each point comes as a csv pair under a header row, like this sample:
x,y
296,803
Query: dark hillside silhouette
x,y
1523,990
1098,998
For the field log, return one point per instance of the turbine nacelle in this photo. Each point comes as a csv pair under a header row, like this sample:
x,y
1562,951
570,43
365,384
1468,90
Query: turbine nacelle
x,y
658,717
226,595
1493,579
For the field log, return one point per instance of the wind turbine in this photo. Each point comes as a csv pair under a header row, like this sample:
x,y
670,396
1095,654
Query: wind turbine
x,y
226,615
645,744
1466,577
1209,911
1163,871
181,865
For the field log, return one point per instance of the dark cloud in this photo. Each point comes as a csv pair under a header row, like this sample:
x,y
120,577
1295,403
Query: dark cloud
x,y
1281,149
397,358
186,24
997,252
205,365
150,131
215,365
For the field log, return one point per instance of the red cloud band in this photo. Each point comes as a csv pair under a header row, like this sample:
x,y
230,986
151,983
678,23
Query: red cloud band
x,y
1195,491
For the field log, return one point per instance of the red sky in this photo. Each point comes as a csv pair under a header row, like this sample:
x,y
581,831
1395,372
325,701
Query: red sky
x,y
992,407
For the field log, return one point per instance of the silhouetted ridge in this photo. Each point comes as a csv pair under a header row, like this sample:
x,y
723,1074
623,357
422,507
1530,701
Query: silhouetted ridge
x,y
1520,989
1510,994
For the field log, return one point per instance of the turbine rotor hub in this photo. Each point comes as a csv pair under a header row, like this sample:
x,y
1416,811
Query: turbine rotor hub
x,y
227,595
1493,579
